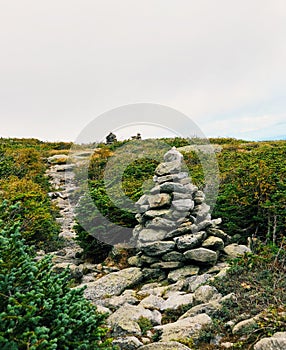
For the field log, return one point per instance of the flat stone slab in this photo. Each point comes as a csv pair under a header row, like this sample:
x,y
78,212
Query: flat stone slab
x,y
201,255
172,345
113,284
183,272
185,328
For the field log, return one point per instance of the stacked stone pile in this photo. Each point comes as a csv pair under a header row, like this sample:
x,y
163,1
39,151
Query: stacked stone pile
x,y
175,228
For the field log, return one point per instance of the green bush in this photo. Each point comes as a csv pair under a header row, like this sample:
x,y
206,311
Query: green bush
x,y
38,310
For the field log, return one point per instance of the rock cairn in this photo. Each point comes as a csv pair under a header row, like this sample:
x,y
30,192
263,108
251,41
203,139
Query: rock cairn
x,y
175,231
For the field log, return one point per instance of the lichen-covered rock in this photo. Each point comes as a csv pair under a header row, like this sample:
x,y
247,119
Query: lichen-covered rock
x,y
183,272
127,343
158,248
183,204
168,168
234,250
213,243
124,320
159,200
173,256
152,302
201,255
185,328
276,342
189,241
113,284
206,293
168,265
151,235
176,300
172,345
193,283
207,308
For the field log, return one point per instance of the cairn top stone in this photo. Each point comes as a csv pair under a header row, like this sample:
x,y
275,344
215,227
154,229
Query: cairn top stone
x,y
173,155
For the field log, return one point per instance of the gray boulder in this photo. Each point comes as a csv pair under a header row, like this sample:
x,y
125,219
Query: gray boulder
x,y
234,250
161,223
159,200
276,342
201,255
206,293
113,284
183,272
151,235
185,328
168,168
183,204
173,155
176,300
189,241
172,345
123,321
213,243
127,343
158,248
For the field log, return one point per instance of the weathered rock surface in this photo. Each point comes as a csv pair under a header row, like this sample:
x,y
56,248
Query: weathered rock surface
x,y
276,342
113,284
177,300
123,321
127,343
234,250
172,345
183,272
185,328
201,255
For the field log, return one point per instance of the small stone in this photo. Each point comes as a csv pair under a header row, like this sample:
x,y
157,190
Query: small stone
x,y
213,243
177,300
177,196
276,342
150,235
194,282
189,241
183,204
186,328
168,168
127,343
158,248
172,345
159,200
173,155
169,265
207,308
218,233
152,302
173,256
234,250
170,187
206,293
157,213
202,255
135,261
145,259
161,223
183,272
199,197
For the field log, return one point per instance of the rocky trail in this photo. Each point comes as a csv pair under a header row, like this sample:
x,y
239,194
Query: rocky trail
x,y
163,299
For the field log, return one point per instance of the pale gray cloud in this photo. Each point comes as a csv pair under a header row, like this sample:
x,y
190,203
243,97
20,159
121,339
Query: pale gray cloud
x,y
221,62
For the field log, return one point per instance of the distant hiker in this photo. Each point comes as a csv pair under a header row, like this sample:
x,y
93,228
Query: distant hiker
x,y
111,138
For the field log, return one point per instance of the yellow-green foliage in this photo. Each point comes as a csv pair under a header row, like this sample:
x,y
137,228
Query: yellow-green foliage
x,y
23,181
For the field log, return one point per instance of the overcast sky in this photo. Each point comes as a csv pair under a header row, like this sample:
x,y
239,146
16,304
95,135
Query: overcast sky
x,y
65,62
